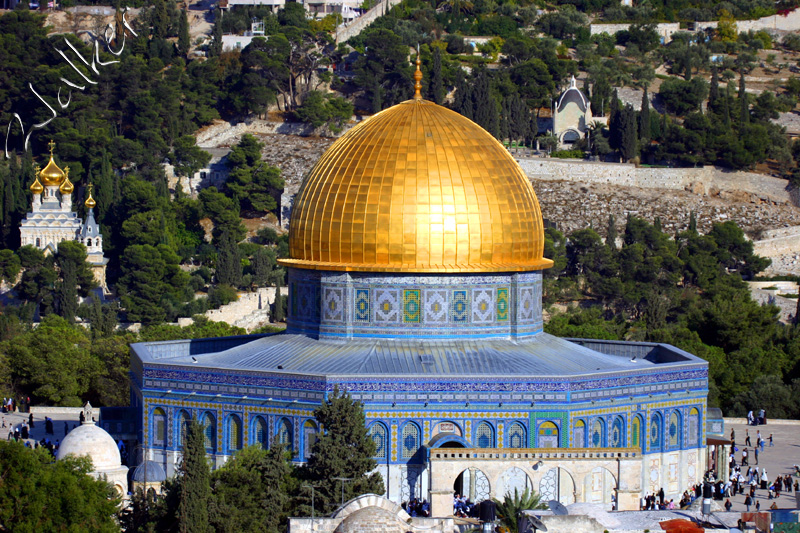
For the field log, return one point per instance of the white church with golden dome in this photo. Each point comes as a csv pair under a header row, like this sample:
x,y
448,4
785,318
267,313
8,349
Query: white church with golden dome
x,y
52,220
415,284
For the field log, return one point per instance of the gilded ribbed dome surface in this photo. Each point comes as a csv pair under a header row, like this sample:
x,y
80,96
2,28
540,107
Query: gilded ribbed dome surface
x,y
417,188
51,175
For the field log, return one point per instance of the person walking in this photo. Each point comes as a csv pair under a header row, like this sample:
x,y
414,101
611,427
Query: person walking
x,y
748,501
744,457
747,437
771,444
755,453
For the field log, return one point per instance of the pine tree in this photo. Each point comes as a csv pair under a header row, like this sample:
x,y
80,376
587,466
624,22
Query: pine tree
x,y
745,106
229,261
437,80
183,34
343,450
644,118
611,233
195,488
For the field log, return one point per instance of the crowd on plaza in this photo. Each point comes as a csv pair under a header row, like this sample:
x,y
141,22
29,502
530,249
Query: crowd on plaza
x,y
463,507
417,507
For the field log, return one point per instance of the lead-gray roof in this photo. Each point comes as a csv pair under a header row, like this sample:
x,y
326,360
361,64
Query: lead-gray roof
x,y
542,355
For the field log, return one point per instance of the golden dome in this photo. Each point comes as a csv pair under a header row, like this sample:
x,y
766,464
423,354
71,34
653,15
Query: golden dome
x,y
36,186
51,175
66,185
417,188
90,203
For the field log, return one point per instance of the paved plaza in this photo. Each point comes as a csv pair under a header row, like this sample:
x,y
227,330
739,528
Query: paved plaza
x,y
778,460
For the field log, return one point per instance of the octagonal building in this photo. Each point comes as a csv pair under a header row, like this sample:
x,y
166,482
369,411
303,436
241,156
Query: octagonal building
x,y
415,284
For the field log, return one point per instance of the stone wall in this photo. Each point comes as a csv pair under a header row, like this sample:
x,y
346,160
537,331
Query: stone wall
x,y
741,186
351,29
778,242
250,311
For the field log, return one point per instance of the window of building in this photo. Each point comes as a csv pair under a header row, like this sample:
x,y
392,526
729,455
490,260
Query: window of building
x,y
618,433
261,433
410,440
636,432
234,433
548,435
484,435
309,437
284,433
694,427
209,432
516,436
159,427
579,434
378,434
183,427
599,433
655,432
674,429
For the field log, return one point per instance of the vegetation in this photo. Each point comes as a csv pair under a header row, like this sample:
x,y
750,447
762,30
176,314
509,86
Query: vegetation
x,y
510,508
685,290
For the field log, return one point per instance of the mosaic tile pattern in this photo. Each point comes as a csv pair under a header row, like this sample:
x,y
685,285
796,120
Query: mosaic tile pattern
x,y
333,305
387,305
411,306
460,309
502,304
482,306
436,307
362,307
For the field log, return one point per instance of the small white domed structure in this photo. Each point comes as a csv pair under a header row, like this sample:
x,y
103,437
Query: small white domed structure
x,y
89,440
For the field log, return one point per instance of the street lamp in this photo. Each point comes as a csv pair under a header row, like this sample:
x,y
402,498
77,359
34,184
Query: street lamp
x,y
343,479
312,487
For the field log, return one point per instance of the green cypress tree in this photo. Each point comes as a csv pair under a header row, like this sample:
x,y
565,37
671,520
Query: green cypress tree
x,y
215,49
505,120
229,261
343,450
183,34
278,309
611,233
726,108
745,106
629,145
437,79
713,92
75,278
484,105
195,488
693,222
644,118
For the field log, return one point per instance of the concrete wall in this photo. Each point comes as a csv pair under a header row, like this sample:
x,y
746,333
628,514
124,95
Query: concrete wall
x,y
740,186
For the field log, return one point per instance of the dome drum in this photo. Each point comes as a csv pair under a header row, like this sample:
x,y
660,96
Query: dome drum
x,y
327,304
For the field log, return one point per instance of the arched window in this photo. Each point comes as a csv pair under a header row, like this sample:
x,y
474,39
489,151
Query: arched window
x,y
283,433
209,432
548,435
636,432
309,437
655,432
516,436
38,242
618,433
411,441
484,435
579,434
182,427
377,432
234,433
261,433
693,422
159,427
674,429
599,433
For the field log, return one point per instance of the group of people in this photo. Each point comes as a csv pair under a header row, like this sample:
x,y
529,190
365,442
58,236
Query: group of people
x,y
417,507
10,405
654,502
463,507
761,419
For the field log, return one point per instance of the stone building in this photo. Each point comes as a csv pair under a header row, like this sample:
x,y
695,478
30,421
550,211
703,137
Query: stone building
x,y
91,441
572,115
52,220
415,284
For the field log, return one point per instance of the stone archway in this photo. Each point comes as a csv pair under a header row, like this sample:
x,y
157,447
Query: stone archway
x,y
599,486
512,479
474,484
557,484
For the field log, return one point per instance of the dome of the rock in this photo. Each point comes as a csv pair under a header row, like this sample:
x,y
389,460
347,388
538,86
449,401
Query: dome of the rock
x,y
417,188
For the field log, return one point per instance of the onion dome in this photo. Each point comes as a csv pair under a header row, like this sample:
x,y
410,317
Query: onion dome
x,y
66,186
417,188
90,203
36,187
52,175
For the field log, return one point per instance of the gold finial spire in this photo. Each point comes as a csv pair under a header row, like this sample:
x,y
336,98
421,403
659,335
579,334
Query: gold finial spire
x,y
418,79
90,203
52,146
66,185
36,187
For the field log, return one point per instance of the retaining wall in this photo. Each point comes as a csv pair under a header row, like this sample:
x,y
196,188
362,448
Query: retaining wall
x,y
351,29
778,242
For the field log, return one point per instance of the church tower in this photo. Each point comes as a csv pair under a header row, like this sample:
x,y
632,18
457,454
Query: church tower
x,y
52,220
